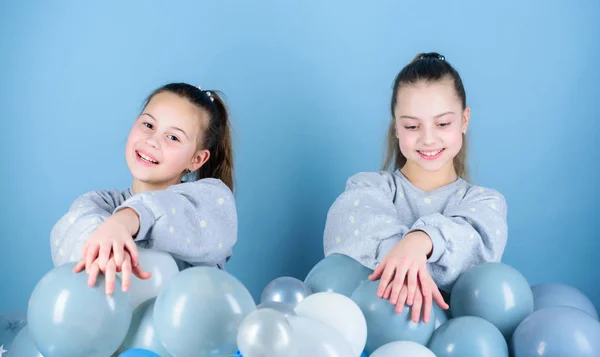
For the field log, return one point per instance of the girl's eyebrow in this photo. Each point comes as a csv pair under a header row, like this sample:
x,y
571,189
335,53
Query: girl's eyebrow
x,y
173,127
435,117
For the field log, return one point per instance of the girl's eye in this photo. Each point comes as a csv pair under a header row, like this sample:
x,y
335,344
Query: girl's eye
x,y
148,125
410,127
444,124
172,137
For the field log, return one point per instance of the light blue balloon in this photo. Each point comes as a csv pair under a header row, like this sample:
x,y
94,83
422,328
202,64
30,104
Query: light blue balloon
x,y
142,333
139,352
468,336
23,345
554,294
67,318
337,273
557,331
384,325
199,311
10,325
495,292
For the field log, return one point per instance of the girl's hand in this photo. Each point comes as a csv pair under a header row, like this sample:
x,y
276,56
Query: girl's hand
x,y
110,272
113,236
405,278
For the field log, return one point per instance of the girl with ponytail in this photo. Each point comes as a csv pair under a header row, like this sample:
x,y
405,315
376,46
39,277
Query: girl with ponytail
x,y
181,199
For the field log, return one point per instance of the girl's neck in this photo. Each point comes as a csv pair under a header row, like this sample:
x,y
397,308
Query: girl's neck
x,y
426,180
139,186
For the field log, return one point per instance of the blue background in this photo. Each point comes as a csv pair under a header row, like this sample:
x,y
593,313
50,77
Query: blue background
x,y
309,84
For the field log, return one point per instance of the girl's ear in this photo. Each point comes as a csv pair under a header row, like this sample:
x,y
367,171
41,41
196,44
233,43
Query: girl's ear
x,y
199,159
465,119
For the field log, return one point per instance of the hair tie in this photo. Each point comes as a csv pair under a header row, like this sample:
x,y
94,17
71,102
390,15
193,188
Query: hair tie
x,y
434,56
208,93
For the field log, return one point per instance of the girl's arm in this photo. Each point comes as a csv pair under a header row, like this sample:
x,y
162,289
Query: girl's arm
x,y
85,215
195,221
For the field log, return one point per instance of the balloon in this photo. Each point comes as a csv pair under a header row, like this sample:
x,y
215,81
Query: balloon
x,y
316,339
468,336
287,290
403,349
199,311
286,310
67,318
384,325
142,333
10,325
337,273
163,268
557,331
441,316
22,346
265,333
339,312
495,292
551,295
139,352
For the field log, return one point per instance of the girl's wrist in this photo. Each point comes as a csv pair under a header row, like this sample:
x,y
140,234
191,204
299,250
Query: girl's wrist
x,y
422,240
130,219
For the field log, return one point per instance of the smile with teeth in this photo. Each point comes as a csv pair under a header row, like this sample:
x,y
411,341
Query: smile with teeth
x,y
146,158
430,153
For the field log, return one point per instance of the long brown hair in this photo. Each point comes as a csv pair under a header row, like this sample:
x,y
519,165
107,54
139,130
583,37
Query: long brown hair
x,y
217,136
425,67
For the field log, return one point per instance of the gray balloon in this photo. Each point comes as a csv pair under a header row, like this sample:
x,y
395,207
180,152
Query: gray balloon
x,y
142,333
384,324
22,346
265,333
68,318
199,311
286,310
337,273
287,290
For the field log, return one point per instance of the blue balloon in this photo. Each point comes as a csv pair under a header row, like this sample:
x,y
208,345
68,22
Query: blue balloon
x,y
10,325
551,295
364,354
22,346
337,273
68,318
384,325
142,332
468,336
495,292
139,352
199,311
557,331
441,316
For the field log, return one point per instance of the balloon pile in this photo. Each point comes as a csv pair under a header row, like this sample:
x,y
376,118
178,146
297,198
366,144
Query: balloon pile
x,y
334,312
494,312
195,312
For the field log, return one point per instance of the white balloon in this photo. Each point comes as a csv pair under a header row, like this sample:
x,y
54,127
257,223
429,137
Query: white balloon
x,y
163,268
316,339
339,312
402,349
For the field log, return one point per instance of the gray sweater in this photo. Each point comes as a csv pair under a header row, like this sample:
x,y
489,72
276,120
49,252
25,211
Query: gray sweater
x,y
467,224
196,222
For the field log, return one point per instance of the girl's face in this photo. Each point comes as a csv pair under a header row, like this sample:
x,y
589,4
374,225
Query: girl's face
x,y
430,123
163,142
